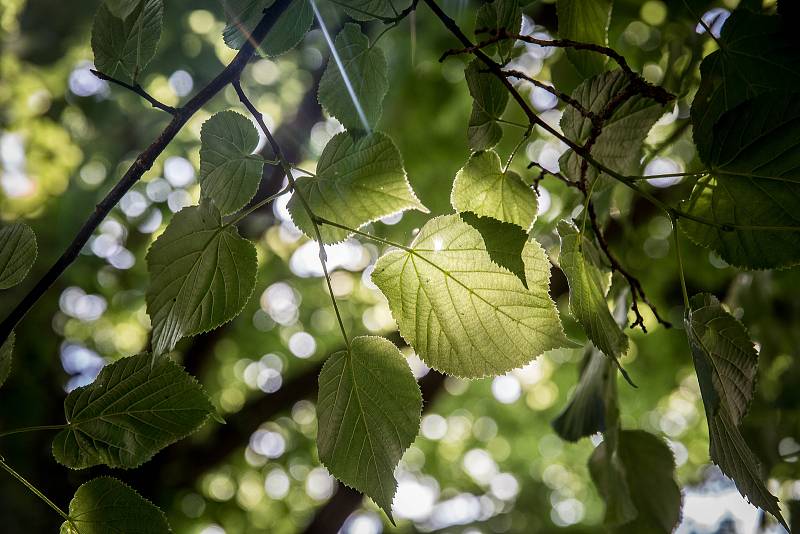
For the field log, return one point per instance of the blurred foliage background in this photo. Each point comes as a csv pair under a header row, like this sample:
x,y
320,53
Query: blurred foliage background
x,y
487,459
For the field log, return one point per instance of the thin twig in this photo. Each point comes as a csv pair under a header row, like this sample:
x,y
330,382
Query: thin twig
x,y
138,89
564,97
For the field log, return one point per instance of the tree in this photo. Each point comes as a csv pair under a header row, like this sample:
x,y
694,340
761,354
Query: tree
x,y
637,128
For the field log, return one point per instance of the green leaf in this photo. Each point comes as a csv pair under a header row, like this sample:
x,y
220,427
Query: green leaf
x,y
369,414
495,16
503,241
367,76
6,357
490,100
585,414
638,483
105,505
124,47
122,8
201,275
17,253
364,10
359,180
290,28
589,281
229,172
585,21
758,53
136,407
462,313
755,181
619,145
483,188
726,363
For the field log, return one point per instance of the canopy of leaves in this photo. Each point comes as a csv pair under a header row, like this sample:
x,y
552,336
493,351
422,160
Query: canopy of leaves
x,y
123,47
136,407
105,505
288,30
17,253
585,21
370,408
462,313
354,82
202,274
359,179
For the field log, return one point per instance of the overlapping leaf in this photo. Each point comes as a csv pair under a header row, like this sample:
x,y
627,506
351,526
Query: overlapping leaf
x,y
462,313
637,481
585,21
357,99
6,358
495,16
107,506
359,180
201,275
243,16
123,47
726,363
483,188
490,100
758,53
371,9
121,8
503,241
369,413
619,144
754,185
229,171
136,407
17,253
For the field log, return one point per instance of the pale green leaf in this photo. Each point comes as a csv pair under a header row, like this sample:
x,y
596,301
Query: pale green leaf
x,y
123,47
122,8
495,16
359,179
619,145
503,241
462,313
637,481
135,407
6,357
201,275
290,28
483,188
755,182
369,412
229,172
367,77
585,21
371,9
759,53
588,281
490,100
726,363
17,253
105,505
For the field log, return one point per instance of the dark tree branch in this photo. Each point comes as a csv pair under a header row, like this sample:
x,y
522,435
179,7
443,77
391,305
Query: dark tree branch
x,y
137,89
142,164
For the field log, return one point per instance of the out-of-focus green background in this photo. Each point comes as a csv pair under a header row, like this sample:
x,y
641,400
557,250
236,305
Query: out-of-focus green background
x,y
486,459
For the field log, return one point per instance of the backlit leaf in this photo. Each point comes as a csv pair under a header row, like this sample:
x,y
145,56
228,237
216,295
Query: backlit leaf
x,y
371,9
495,16
369,413
135,407
243,16
585,21
122,8
123,47
462,313
6,358
503,241
490,100
202,273
17,253
359,180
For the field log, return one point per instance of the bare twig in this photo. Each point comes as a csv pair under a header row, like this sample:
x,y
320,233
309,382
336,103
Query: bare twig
x,y
137,89
564,97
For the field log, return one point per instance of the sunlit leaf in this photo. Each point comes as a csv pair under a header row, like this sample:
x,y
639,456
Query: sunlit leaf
x,y
135,407
359,180
6,357
726,363
483,188
495,16
369,413
363,88
619,145
123,47
202,273
638,483
503,241
755,182
490,100
462,313
17,253
585,21
107,506
229,172
243,16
